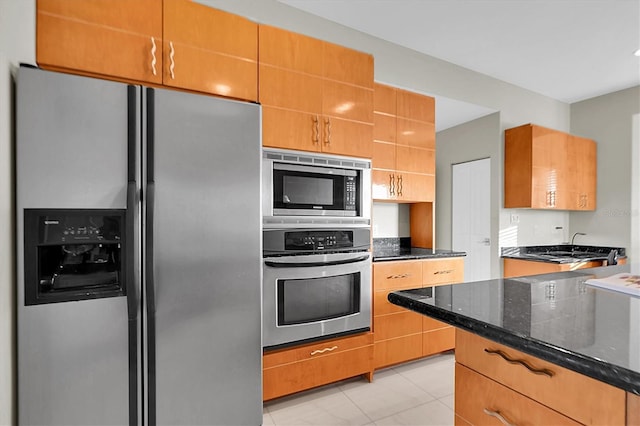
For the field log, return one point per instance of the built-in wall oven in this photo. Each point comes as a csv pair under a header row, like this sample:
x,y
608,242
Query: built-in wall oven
x,y
316,284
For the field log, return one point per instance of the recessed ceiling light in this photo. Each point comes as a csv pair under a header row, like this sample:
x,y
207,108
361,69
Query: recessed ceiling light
x,y
637,52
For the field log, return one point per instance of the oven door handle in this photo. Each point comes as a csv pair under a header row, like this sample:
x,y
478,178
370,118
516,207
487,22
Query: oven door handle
x,y
314,264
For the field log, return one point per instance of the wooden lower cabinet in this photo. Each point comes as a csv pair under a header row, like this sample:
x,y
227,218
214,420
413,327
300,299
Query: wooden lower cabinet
x,y
519,268
401,335
480,400
291,370
576,397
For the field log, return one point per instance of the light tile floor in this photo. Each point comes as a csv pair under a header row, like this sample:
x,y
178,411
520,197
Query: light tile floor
x,y
415,393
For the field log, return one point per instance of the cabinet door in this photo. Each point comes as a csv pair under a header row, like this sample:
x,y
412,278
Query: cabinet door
x,y
347,137
347,119
581,172
414,187
347,66
549,165
209,50
292,107
120,38
383,184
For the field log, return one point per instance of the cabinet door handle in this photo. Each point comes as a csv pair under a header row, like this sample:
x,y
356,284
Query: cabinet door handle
x,y
542,371
398,276
172,53
444,271
321,351
327,126
498,416
400,185
153,56
392,184
316,129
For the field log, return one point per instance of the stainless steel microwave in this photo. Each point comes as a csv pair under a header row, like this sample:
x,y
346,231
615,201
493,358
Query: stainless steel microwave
x,y
302,188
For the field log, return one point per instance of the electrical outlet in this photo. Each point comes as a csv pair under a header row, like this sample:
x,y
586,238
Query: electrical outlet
x,y
515,218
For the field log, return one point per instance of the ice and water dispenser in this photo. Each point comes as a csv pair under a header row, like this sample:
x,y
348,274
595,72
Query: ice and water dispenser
x,y
73,255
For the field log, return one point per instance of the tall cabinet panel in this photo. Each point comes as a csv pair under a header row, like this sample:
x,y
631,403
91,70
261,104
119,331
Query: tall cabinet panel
x,y
404,146
316,96
120,38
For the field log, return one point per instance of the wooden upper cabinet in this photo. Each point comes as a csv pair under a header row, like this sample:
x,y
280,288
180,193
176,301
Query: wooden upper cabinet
x,y
209,50
118,38
404,145
582,173
177,43
549,169
316,96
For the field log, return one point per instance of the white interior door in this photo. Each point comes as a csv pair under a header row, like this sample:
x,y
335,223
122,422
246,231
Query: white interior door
x,y
471,226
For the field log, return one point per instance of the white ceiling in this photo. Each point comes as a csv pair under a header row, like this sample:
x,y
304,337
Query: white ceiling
x,y
569,50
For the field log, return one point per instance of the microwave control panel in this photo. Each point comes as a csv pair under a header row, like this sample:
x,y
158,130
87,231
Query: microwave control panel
x,y
350,193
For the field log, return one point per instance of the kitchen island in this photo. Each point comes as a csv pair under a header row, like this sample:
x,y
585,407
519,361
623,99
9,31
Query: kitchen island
x,y
550,344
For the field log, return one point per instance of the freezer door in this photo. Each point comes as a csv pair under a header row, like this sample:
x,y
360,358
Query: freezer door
x,y
203,280
72,152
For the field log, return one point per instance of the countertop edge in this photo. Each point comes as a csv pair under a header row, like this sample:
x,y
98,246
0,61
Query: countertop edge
x,y
592,367
418,256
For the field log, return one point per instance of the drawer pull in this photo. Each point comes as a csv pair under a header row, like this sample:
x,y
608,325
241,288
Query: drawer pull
x,y
398,276
498,416
504,356
444,271
321,351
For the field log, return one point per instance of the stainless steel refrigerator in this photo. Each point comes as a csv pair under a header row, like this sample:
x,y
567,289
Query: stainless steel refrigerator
x,y
138,247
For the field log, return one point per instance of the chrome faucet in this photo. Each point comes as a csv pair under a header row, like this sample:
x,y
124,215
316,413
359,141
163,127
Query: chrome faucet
x,y
574,236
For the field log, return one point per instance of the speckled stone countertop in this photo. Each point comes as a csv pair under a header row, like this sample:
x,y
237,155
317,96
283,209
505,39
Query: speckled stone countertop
x,y
555,317
562,253
386,249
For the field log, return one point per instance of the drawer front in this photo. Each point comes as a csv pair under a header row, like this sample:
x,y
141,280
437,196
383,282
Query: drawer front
x,y
396,325
289,378
315,350
437,341
397,275
382,306
582,398
442,271
394,351
479,400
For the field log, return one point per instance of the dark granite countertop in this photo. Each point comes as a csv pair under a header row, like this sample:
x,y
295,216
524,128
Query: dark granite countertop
x,y
555,317
561,253
386,249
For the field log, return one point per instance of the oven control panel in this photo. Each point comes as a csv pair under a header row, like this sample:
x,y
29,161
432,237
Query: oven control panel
x,y
318,240
302,241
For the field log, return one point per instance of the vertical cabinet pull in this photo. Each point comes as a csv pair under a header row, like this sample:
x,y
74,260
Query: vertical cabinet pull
x,y
316,130
321,351
153,56
498,416
172,53
541,371
392,184
327,126
400,185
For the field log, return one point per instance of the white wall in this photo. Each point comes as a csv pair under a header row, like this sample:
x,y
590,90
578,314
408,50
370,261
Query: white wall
x,y
608,119
17,44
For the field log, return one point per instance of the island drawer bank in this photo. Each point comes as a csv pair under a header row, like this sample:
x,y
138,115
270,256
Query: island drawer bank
x,y
581,339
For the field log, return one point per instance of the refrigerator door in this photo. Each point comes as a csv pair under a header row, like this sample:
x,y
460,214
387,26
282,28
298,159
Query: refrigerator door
x,y
72,153
203,281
